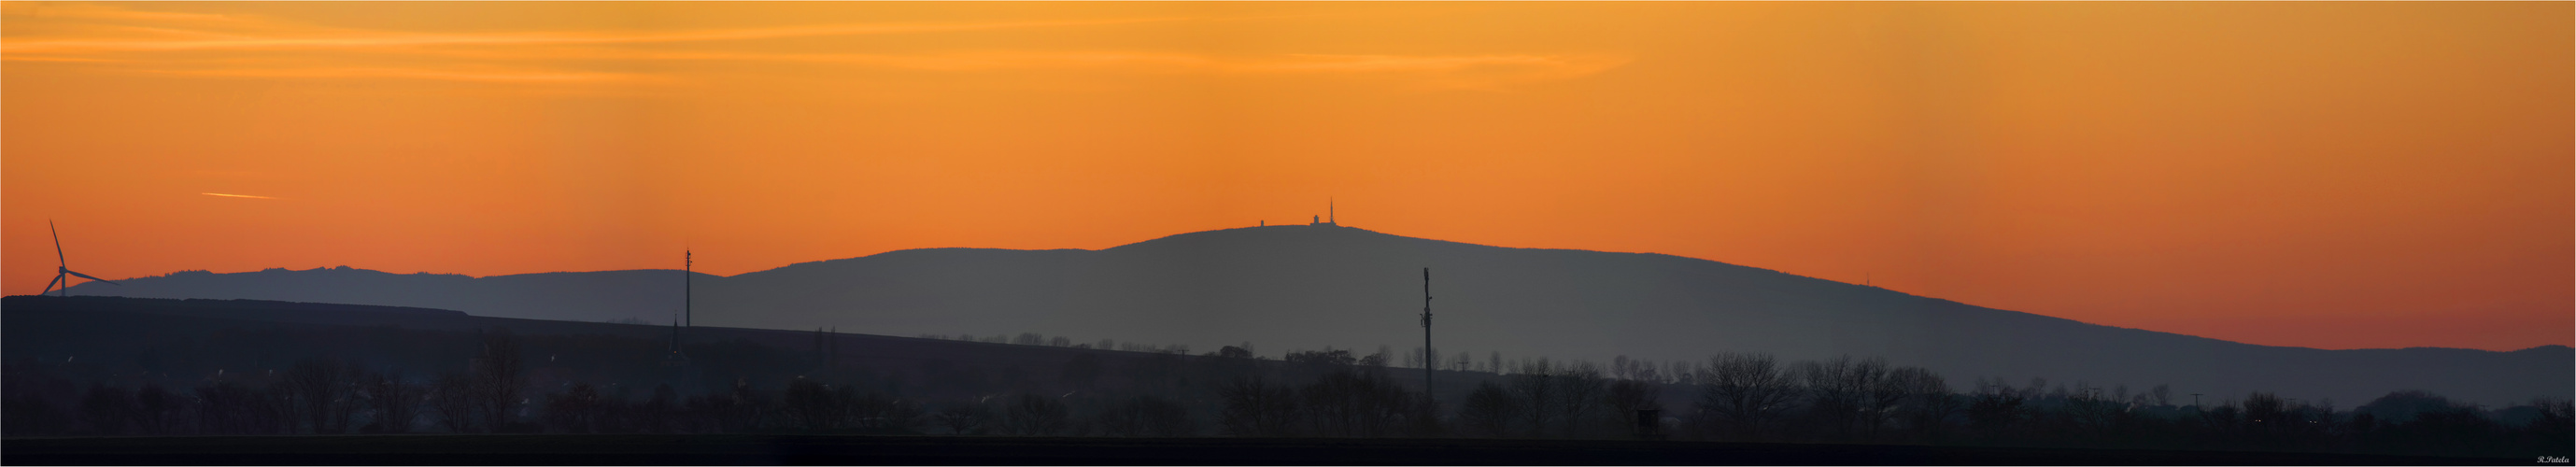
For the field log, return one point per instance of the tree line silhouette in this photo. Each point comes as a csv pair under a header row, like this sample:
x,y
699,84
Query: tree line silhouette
x,y
597,383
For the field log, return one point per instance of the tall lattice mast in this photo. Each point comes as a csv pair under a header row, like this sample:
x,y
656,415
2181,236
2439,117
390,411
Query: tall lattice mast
x,y
688,267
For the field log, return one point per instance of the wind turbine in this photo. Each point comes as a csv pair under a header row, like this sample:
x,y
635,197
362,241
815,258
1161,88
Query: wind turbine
x,y
63,267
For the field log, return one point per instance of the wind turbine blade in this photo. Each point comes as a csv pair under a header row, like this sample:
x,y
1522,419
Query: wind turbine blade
x,y
58,245
49,285
86,276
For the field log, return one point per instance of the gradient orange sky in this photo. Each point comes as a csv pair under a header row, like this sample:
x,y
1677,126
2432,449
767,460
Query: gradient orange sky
x,y
2334,175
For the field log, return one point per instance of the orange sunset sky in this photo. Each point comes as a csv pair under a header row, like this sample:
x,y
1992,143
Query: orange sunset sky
x,y
2334,175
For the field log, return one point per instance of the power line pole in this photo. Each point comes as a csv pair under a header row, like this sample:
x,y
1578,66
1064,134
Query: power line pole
x,y
1429,360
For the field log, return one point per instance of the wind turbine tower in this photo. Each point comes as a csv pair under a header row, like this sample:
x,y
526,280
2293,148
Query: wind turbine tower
x,y
62,268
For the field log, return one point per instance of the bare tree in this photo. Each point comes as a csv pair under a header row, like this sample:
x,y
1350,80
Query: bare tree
x,y
1032,414
1628,397
1490,410
741,409
1254,407
1838,390
326,390
106,409
966,418
1147,416
1580,389
1534,385
1928,401
746,408
453,400
393,404
876,411
274,409
157,410
1356,402
2556,420
808,405
1997,410
222,408
1744,393
2266,414
576,410
1880,394
499,379
659,413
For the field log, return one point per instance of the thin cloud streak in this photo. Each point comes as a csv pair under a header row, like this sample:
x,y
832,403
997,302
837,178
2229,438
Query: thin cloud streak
x,y
102,12
538,38
223,46
1289,63
1483,70
408,73
226,195
1451,70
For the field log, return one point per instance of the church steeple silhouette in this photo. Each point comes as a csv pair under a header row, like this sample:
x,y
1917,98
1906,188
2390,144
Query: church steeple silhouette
x,y
675,358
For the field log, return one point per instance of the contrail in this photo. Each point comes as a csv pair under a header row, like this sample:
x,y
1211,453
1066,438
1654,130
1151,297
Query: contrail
x,y
237,196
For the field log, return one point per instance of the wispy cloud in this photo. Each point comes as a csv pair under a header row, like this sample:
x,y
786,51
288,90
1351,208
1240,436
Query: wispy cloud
x,y
398,39
1458,70
249,46
227,195
106,12
1287,63
525,76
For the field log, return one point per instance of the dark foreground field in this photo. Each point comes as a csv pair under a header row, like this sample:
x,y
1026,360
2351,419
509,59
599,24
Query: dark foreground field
x,y
935,450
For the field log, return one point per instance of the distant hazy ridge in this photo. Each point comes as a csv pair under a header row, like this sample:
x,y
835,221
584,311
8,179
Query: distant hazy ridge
x,y
1289,287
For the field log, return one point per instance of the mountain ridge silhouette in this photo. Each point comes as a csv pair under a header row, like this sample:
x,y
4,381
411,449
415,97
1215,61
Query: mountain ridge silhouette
x,y
1310,286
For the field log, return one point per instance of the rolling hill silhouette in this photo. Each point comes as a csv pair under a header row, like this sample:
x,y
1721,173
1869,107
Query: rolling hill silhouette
x,y
1291,287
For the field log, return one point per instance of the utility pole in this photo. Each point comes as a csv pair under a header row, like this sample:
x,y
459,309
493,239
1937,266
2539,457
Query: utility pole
x,y
1428,358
